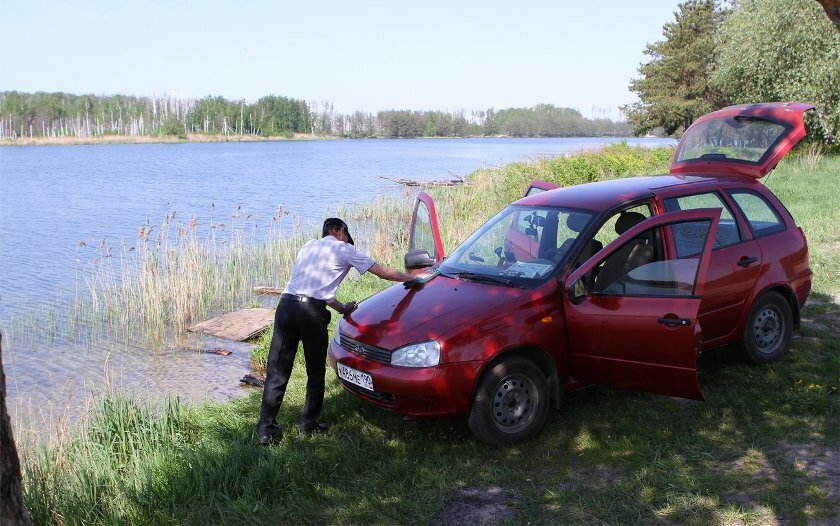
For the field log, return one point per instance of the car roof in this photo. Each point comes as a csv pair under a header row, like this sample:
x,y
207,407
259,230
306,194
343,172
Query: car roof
x,y
604,194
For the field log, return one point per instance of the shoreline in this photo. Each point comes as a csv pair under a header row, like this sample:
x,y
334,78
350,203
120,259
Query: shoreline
x,y
153,139
207,138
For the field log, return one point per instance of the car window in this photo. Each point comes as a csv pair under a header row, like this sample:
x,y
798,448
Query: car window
x,y
761,216
641,268
530,223
737,138
520,242
608,231
727,233
535,190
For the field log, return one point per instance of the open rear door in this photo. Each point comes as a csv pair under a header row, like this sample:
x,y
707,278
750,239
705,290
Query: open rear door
x,y
425,247
631,310
740,140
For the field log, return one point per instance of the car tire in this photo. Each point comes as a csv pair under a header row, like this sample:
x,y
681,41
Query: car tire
x,y
510,404
767,333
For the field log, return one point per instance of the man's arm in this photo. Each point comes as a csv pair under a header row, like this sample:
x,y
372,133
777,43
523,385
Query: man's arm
x,y
391,274
341,308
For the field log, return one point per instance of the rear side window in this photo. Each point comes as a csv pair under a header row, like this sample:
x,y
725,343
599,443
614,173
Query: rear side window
x,y
688,244
760,214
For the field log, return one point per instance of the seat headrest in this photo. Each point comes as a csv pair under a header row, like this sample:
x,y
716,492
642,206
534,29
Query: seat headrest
x,y
627,220
577,222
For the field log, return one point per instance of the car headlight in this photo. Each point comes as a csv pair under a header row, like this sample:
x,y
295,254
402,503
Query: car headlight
x,y
423,354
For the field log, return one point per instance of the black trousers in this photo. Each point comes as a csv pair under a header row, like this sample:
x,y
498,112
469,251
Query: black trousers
x,y
295,321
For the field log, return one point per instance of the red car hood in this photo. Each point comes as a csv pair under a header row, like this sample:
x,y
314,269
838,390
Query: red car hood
x,y
398,316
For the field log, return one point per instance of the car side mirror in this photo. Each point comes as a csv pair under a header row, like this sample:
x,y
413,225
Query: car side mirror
x,y
417,259
577,290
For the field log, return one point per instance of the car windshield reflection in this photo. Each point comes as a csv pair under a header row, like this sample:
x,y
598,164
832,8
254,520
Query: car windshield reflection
x,y
520,242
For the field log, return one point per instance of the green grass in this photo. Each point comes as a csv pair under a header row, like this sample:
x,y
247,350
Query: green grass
x,y
763,448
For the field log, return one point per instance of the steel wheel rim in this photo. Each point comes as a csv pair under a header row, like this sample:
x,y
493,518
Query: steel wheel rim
x,y
768,328
514,403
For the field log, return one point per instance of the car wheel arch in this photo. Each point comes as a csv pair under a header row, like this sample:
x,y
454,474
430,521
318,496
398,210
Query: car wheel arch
x,y
534,354
769,326
787,293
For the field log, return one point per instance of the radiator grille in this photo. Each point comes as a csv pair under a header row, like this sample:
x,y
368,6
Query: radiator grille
x,y
367,351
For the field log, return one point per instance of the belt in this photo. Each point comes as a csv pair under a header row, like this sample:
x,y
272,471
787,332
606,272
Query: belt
x,y
301,298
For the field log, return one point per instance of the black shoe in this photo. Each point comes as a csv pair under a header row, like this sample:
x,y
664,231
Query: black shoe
x,y
267,440
319,427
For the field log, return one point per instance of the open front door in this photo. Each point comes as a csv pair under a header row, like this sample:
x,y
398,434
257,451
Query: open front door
x,y
631,310
538,186
425,247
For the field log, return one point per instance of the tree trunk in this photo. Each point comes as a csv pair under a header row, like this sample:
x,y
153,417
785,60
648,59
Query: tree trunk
x,y
12,510
832,9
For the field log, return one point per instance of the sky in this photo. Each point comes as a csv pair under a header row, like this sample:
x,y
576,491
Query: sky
x,y
360,55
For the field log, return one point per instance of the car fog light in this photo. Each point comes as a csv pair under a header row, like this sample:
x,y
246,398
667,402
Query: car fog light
x,y
423,354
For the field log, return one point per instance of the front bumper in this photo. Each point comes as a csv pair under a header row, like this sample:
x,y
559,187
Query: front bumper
x,y
443,390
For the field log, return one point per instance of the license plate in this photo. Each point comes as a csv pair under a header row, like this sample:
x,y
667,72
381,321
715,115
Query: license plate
x,y
355,377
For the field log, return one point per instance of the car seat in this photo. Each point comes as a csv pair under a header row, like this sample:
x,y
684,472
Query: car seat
x,y
633,254
576,223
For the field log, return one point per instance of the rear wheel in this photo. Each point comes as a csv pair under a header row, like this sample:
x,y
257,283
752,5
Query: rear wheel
x,y
767,333
510,404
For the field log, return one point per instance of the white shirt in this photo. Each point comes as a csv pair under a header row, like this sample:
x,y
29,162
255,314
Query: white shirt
x,y
320,266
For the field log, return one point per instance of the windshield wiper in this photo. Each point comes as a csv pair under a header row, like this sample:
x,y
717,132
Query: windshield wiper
x,y
482,278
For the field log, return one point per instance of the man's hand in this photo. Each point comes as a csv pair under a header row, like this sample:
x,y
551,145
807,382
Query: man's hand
x,y
341,308
419,279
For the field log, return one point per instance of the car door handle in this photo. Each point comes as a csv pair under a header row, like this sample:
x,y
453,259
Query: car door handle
x,y
679,322
747,261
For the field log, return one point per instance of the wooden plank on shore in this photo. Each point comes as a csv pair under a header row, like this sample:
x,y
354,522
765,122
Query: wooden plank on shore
x,y
238,326
412,182
268,290
220,352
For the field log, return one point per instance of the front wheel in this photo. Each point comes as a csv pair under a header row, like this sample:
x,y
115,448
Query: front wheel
x,y
510,404
767,333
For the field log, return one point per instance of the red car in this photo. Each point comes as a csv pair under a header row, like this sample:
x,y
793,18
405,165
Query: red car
x,y
622,282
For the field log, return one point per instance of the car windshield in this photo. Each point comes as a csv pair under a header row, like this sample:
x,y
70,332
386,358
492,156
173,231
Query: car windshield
x,y
519,243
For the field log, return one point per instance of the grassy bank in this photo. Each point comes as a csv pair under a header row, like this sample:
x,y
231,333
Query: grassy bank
x,y
763,448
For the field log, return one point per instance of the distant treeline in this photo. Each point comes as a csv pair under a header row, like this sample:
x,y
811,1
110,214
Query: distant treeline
x,y
66,115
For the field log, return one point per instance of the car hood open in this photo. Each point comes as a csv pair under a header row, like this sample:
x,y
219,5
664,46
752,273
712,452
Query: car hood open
x,y
398,316
745,140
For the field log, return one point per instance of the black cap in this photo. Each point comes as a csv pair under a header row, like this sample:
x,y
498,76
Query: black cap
x,y
333,223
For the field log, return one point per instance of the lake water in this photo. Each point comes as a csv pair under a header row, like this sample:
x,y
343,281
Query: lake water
x,y
58,201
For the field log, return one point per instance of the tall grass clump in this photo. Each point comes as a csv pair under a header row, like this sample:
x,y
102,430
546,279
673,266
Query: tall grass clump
x,y
101,472
172,278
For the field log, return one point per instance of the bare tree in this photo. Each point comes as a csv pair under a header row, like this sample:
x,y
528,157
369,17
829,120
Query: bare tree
x,y
12,510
